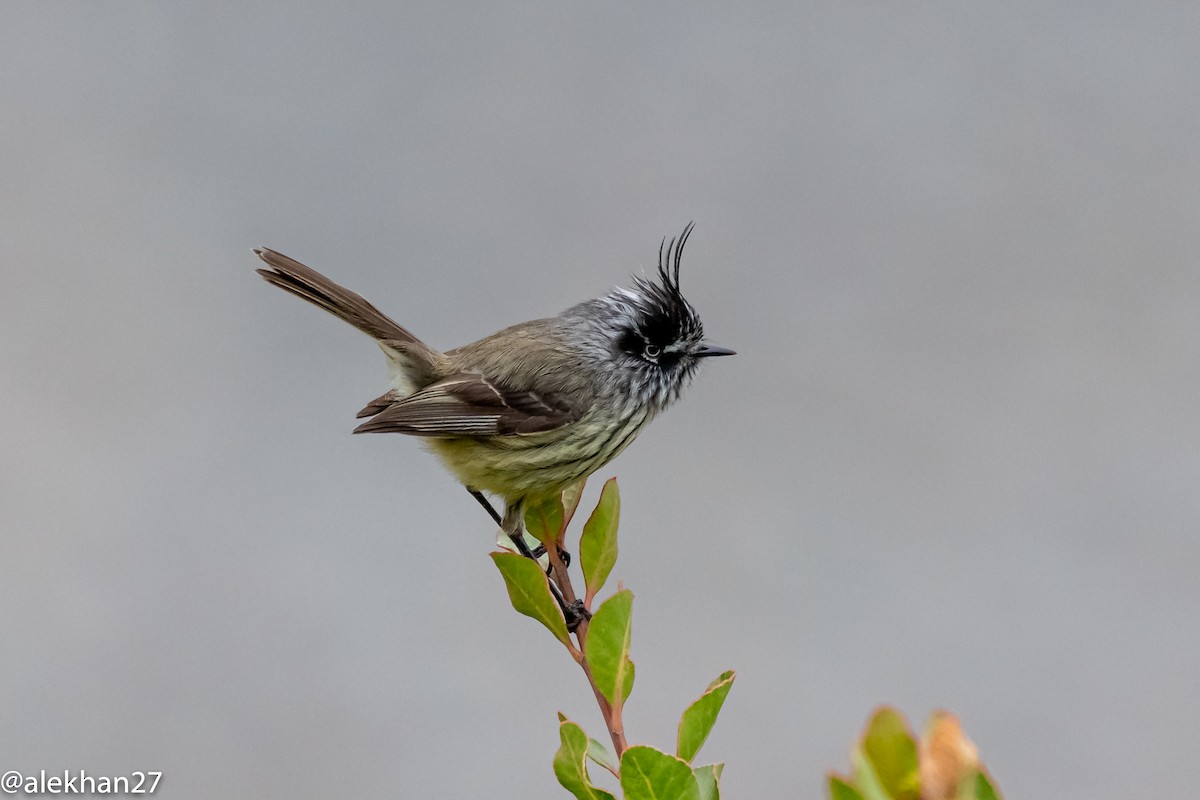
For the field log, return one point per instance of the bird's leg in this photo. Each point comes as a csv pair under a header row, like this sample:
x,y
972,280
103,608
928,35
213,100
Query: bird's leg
x,y
512,524
519,542
540,551
518,538
487,506
573,609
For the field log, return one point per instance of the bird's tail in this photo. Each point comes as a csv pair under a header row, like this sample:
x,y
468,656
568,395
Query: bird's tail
x,y
413,360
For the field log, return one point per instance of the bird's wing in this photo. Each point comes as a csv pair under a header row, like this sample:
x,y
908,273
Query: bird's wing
x,y
468,404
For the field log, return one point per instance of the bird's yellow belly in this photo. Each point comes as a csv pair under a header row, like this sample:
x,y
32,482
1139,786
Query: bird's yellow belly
x,y
541,464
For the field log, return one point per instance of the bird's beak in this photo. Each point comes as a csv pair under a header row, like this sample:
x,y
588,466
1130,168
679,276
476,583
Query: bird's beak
x,y
712,350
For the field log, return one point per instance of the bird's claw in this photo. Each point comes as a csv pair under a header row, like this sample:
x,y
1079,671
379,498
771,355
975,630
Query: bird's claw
x,y
563,555
576,613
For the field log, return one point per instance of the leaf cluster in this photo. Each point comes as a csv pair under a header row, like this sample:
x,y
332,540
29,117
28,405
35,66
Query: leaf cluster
x,y
889,763
602,649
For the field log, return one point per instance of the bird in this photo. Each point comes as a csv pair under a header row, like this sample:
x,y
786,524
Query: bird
x,y
534,408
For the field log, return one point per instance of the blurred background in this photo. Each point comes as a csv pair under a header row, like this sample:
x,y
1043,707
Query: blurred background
x,y
954,465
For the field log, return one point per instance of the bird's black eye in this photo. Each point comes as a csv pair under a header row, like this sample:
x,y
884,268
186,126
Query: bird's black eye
x,y
652,350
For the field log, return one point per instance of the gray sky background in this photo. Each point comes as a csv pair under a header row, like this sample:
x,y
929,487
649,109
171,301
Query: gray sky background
x,y
954,465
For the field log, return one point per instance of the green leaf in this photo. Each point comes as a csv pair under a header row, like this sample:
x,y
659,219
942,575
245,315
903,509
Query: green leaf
x,y
649,774
984,789
698,718
530,593
570,763
869,785
891,752
570,500
544,519
607,647
601,755
598,544
842,789
708,779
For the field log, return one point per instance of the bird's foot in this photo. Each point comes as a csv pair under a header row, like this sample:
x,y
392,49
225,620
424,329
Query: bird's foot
x,y
540,551
575,614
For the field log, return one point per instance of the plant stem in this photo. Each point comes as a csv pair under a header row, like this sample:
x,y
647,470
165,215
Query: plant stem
x,y
612,717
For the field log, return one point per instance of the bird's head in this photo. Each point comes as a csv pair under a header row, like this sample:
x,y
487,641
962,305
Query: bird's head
x,y
653,336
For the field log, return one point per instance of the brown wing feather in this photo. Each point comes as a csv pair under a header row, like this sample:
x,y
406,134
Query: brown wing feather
x,y
378,404
467,404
